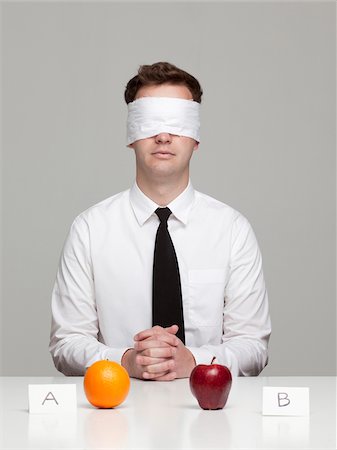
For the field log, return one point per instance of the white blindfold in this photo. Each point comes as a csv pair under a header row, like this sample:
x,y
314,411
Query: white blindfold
x,y
149,116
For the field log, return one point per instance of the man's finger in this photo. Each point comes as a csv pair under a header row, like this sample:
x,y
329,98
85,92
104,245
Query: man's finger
x,y
155,331
154,376
158,352
167,365
159,341
143,360
148,333
172,329
168,376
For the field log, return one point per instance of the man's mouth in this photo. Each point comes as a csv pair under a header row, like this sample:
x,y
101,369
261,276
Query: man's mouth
x,y
163,153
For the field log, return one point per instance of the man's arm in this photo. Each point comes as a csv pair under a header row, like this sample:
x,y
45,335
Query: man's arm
x,y
73,340
246,321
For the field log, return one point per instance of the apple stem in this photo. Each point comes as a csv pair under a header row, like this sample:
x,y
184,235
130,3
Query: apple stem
x,y
214,357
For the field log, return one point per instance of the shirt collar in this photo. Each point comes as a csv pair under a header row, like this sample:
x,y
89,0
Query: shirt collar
x,y
144,207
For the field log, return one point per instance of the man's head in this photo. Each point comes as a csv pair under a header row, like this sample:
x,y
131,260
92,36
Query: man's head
x,y
162,73
163,122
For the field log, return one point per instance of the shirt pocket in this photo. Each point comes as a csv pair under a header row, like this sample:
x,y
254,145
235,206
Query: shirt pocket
x,y
206,296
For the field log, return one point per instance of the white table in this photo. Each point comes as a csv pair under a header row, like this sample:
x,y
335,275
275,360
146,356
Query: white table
x,y
165,415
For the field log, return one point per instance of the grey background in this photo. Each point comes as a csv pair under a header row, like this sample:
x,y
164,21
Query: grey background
x,y
268,149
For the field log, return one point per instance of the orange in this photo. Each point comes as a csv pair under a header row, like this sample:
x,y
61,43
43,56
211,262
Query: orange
x,y
106,384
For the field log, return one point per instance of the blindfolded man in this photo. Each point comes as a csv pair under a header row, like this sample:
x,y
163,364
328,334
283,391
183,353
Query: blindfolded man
x,y
161,277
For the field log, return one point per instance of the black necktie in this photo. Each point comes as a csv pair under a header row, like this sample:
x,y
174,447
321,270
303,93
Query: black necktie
x,y
167,306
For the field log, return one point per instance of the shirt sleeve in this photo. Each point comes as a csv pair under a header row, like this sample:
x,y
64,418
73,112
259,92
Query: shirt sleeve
x,y
246,319
74,344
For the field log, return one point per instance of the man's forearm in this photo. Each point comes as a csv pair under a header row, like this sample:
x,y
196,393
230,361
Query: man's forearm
x,y
243,356
73,355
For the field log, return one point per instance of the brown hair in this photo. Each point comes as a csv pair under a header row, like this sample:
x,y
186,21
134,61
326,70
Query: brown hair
x,y
161,73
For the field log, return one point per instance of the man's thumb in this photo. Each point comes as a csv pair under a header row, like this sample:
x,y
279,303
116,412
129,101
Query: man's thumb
x,y
172,329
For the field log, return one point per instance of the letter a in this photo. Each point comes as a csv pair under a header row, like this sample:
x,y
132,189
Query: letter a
x,y
285,398
50,398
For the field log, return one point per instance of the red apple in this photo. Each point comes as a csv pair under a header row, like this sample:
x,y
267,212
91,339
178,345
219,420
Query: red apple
x,y
210,384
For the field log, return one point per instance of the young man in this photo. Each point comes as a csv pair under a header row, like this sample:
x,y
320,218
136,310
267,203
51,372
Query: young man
x,y
161,277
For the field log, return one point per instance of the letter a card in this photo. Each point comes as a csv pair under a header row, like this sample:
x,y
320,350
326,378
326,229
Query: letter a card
x,y
52,398
285,401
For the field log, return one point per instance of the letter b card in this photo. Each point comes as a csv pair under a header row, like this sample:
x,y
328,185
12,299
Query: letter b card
x,y
285,401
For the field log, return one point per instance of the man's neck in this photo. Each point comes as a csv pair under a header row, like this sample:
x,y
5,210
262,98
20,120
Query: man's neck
x,y
162,192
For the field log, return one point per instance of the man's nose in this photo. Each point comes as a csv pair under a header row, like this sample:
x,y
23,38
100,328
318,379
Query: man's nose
x,y
163,138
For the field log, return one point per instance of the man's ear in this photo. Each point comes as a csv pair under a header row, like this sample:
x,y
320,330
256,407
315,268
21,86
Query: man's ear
x,y
130,145
196,146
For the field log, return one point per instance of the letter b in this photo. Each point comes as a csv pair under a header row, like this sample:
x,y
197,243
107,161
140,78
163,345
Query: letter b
x,y
283,399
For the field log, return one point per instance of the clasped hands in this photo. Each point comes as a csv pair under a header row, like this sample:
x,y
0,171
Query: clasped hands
x,y
158,354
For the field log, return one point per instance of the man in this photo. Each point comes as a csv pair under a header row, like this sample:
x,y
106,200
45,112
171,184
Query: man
x,y
161,294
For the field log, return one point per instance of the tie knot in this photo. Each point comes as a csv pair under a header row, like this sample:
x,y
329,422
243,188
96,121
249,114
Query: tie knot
x,y
163,214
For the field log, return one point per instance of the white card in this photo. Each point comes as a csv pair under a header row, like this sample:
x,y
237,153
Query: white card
x,y
285,401
52,398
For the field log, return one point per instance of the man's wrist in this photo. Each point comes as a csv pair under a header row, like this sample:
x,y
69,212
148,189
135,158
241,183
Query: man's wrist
x,y
125,360
194,363
191,363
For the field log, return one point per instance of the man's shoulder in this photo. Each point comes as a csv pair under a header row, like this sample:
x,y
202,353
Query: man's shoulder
x,y
207,201
104,207
222,212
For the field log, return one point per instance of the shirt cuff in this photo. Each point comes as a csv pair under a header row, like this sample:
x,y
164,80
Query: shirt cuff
x,y
115,354
201,355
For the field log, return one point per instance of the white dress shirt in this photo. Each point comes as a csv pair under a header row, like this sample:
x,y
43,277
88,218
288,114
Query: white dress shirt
x,y
103,291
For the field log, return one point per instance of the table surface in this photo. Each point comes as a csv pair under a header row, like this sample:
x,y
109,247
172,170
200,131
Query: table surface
x,y
165,415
